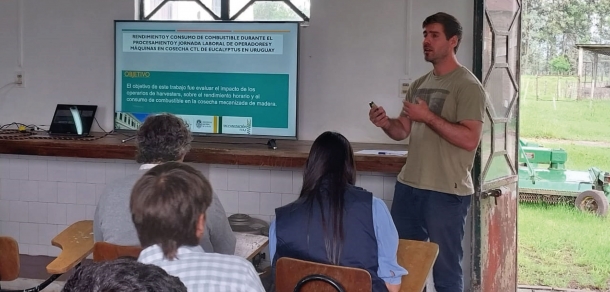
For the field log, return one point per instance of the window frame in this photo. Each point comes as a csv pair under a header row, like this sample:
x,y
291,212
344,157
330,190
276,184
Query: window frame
x,y
224,9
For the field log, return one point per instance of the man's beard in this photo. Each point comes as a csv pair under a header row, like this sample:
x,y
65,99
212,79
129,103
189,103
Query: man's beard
x,y
434,57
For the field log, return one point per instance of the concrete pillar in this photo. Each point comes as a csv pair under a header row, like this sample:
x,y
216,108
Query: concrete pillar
x,y
581,57
593,73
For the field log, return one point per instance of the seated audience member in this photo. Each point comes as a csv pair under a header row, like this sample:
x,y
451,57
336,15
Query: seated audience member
x,y
335,222
122,275
168,205
160,139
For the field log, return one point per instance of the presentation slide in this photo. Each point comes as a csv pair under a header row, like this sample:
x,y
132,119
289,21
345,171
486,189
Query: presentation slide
x,y
229,78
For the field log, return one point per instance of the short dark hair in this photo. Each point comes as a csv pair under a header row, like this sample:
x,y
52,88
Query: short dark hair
x,y
162,138
451,26
122,275
166,203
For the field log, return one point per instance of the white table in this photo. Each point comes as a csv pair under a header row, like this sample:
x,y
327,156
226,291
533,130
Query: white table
x,y
249,245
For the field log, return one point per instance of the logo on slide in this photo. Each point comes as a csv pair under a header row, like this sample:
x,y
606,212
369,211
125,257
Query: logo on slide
x,y
237,125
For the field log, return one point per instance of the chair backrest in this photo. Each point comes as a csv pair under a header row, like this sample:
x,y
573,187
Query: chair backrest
x,y
104,251
9,259
418,258
291,273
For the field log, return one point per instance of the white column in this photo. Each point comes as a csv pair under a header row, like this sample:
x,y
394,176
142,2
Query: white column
x,y
580,67
594,73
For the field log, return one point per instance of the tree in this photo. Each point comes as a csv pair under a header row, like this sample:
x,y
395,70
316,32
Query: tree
x,y
552,28
278,10
560,65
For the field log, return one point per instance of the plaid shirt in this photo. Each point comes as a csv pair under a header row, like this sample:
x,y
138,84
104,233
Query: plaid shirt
x,y
201,271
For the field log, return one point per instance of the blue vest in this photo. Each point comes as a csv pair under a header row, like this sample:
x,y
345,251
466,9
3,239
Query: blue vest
x,y
302,238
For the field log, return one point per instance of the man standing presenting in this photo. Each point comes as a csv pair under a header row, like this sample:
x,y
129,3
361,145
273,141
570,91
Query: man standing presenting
x,y
443,115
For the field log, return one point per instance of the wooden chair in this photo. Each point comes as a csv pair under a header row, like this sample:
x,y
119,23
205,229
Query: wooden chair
x,y
9,259
76,243
104,251
298,275
418,258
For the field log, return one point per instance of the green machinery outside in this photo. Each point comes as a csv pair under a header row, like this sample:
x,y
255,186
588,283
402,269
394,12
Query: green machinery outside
x,y
588,190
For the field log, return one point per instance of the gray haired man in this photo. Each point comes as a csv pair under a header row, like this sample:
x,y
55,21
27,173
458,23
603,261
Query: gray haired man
x,y
160,139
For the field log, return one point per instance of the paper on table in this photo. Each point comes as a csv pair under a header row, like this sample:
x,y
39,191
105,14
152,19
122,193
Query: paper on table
x,y
382,152
248,245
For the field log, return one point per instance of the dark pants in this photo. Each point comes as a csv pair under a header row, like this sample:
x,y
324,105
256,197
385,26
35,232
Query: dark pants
x,y
421,215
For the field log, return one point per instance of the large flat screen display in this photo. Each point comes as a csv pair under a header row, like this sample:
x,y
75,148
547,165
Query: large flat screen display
x,y
226,78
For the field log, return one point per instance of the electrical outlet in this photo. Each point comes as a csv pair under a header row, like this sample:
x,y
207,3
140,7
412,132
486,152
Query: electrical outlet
x,y
404,86
19,79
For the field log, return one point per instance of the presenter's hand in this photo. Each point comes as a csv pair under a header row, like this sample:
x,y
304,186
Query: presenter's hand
x,y
417,111
378,117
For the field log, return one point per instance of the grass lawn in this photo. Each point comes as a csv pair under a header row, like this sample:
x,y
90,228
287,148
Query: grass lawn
x,y
571,120
564,119
558,245
561,247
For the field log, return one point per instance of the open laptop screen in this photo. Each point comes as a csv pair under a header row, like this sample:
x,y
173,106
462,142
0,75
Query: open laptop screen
x,y
71,119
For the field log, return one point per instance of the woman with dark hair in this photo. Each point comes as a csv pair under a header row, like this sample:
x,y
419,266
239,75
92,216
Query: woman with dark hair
x,y
335,222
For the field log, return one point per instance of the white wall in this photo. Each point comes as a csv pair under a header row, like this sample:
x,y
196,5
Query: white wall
x,y
9,49
356,51
41,196
67,56
353,51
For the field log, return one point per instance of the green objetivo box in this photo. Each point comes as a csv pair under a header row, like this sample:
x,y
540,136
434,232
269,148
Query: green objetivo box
x,y
263,97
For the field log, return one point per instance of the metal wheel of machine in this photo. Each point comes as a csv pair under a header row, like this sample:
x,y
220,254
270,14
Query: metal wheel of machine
x,y
592,201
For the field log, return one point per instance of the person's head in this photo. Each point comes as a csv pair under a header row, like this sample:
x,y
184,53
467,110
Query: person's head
x,y
122,275
168,205
329,169
442,36
162,138
331,158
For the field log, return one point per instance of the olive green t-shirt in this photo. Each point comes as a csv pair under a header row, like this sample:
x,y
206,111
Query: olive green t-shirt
x,y
432,162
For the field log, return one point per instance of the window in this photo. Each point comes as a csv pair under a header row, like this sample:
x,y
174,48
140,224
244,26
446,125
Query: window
x,y
241,10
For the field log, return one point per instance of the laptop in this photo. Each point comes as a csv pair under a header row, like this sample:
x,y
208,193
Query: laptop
x,y
72,120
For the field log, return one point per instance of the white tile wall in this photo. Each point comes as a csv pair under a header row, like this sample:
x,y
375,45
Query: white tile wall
x,y
40,196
